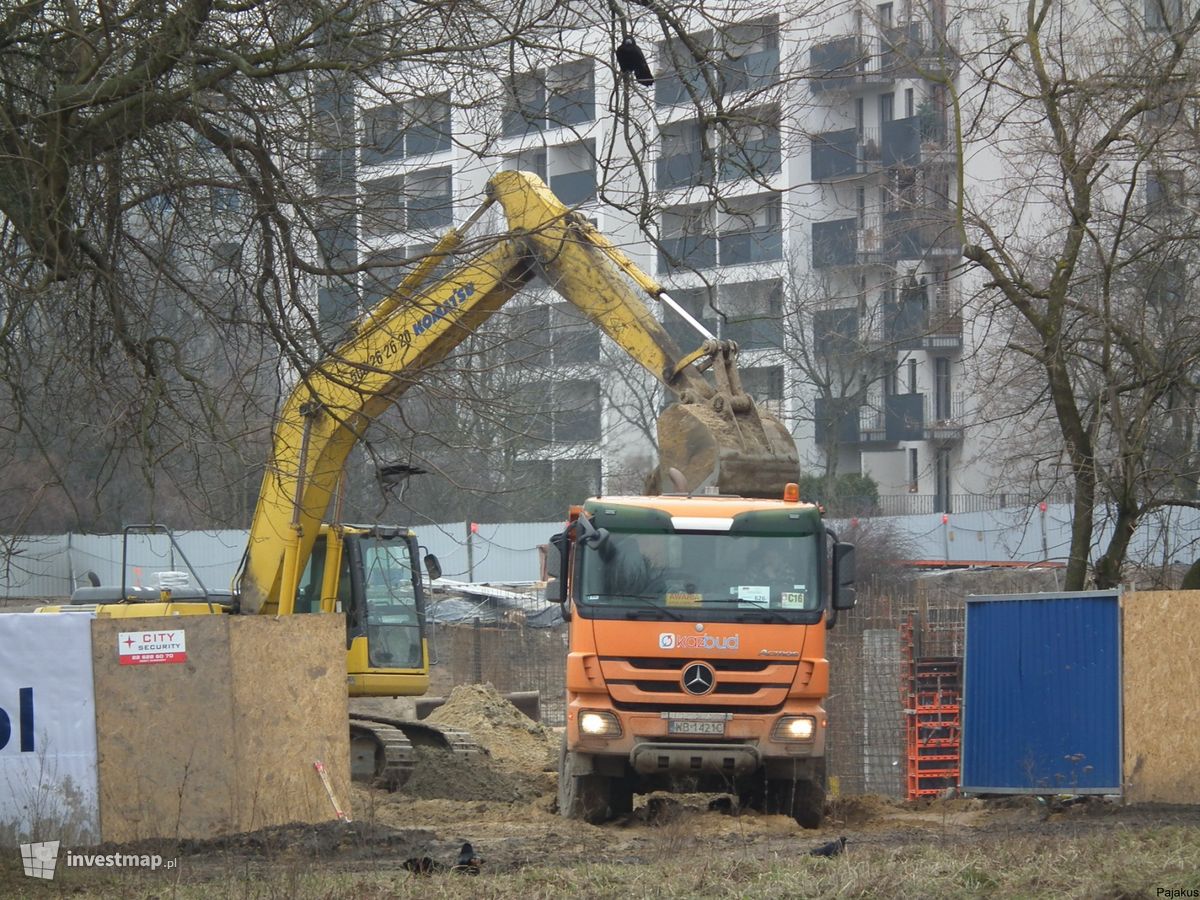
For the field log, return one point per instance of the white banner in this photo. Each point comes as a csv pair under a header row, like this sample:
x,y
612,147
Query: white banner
x,y
48,775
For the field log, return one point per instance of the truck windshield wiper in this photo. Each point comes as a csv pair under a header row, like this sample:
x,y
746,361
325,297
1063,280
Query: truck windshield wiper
x,y
646,600
754,603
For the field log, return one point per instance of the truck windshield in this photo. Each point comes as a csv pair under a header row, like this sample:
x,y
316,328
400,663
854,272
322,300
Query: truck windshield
x,y
693,575
393,614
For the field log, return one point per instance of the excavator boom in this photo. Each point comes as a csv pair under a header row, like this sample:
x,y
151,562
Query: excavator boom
x,y
714,434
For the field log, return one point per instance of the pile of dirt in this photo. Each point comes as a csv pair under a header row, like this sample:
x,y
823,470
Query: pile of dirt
x,y
447,776
515,741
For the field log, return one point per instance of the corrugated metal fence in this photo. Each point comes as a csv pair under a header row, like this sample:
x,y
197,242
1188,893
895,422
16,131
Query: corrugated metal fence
x,y
49,567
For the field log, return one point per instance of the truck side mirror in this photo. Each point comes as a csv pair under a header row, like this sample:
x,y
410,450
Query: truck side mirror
x,y
844,596
557,555
433,567
552,569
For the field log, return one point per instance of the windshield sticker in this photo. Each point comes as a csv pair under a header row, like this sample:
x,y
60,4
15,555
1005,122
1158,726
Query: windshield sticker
x,y
754,593
792,599
682,599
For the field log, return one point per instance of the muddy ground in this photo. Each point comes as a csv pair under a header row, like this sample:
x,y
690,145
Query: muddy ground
x,y
677,846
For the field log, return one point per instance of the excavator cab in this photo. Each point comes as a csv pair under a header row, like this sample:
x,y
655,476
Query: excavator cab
x,y
372,577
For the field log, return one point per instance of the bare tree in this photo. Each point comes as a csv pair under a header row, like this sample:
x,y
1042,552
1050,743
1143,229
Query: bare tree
x,y
1078,125
195,197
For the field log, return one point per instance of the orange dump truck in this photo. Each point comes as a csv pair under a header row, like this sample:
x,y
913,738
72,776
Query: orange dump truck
x,y
697,650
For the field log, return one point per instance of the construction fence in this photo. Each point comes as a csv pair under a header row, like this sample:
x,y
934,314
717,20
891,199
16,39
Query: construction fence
x,y
872,652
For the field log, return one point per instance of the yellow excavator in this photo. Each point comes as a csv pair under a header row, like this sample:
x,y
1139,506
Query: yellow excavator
x,y
713,437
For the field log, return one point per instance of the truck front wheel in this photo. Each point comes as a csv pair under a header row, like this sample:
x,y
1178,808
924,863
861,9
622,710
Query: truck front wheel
x,y
593,798
803,799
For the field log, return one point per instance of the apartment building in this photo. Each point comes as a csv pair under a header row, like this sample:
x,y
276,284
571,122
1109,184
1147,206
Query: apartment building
x,y
800,186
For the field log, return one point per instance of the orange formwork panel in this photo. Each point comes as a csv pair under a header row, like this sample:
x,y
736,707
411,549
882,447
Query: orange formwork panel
x,y
933,721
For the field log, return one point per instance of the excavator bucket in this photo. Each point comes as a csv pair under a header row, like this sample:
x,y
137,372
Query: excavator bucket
x,y
740,451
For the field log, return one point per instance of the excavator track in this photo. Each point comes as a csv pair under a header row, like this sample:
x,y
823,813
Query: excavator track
x,y
383,750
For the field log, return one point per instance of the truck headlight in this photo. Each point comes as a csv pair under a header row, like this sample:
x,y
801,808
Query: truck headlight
x,y
795,728
599,723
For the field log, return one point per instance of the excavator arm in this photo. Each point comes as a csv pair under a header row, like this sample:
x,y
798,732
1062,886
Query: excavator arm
x,y
713,435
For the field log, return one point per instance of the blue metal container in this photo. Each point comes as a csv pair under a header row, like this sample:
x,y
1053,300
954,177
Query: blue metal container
x,y
1042,694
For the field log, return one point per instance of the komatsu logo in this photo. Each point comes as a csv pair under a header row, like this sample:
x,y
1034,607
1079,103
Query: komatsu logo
x,y
445,309
669,641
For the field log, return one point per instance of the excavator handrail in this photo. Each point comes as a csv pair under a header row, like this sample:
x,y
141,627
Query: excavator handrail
x,y
422,321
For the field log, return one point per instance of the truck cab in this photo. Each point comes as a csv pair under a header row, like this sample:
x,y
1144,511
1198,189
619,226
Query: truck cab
x,y
697,650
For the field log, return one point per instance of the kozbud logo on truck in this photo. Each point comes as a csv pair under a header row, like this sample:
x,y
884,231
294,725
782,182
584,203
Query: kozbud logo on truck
x,y
24,722
668,641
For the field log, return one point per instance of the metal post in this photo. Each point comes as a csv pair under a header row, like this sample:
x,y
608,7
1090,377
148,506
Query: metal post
x,y
470,552
477,662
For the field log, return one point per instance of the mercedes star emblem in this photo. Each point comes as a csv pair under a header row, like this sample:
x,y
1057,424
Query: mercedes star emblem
x,y
698,678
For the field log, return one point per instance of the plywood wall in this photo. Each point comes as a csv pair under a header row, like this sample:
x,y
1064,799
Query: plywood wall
x,y
1161,672
225,741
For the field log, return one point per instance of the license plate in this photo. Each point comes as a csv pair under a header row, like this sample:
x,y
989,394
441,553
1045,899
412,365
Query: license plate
x,y
685,726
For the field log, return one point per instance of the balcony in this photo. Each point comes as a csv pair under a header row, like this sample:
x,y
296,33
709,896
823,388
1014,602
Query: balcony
x,y
757,158
752,245
901,419
847,241
914,325
913,234
849,153
847,64
944,416
915,50
834,423
913,141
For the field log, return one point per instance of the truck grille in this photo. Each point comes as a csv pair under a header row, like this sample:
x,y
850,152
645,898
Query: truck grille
x,y
746,683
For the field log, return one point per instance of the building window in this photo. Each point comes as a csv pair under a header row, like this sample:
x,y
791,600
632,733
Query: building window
x,y
430,202
912,376
559,411
560,96
751,146
384,270
383,206
412,128
571,93
527,161
681,156
553,336
1163,15
750,313
887,108
573,172
751,231
419,201
576,414
1165,192
764,383
543,489
914,472
743,57
681,75
226,255
750,58
687,239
